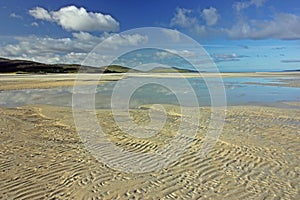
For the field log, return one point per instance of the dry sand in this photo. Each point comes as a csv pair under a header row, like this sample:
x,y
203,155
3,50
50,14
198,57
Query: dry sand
x,y
42,156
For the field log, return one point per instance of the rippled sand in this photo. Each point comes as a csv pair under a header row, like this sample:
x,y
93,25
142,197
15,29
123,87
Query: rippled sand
x,y
256,157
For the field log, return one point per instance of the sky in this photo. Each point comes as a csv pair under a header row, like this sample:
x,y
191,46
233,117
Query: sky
x,y
239,35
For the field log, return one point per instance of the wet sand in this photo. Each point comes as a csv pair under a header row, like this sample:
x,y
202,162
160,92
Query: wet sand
x,y
256,157
29,81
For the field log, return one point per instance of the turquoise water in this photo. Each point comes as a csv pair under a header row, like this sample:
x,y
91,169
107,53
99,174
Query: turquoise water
x,y
238,92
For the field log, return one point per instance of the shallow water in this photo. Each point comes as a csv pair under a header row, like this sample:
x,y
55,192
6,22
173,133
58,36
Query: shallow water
x,y
238,92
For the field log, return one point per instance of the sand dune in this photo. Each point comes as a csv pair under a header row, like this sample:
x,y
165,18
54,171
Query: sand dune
x,y
256,157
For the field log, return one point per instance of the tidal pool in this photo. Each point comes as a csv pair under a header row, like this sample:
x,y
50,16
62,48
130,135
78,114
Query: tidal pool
x,y
239,91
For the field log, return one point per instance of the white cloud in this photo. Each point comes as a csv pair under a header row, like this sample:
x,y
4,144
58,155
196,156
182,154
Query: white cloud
x,y
40,13
210,16
169,53
77,19
162,54
184,18
84,36
183,53
191,21
34,24
118,40
66,50
14,15
282,26
227,57
245,4
174,35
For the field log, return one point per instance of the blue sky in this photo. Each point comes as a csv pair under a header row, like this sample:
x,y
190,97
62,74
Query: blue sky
x,y
239,35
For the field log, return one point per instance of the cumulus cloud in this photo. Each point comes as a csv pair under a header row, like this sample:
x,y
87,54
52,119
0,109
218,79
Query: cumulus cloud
x,y
66,50
77,19
185,18
282,26
182,17
85,36
200,24
245,4
210,16
117,40
40,13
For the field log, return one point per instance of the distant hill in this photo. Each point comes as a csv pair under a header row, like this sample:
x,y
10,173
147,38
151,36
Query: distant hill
x,y
25,66
292,70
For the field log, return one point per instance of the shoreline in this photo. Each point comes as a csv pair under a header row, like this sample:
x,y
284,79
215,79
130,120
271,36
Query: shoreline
x,y
205,74
31,81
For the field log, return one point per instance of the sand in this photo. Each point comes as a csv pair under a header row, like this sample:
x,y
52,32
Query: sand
x,y
29,81
256,157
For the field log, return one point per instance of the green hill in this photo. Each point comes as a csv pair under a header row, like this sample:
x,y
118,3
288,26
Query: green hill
x,y
25,66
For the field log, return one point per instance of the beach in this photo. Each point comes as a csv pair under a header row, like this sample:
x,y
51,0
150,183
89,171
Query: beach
x,y
27,81
255,157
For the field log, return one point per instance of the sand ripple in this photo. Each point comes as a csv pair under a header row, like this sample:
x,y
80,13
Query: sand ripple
x,y
256,157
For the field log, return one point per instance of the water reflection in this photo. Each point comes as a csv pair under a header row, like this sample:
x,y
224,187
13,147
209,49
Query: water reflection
x,y
239,91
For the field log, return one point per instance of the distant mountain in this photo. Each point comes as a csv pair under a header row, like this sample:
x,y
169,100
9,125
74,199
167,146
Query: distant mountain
x,y
25,66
